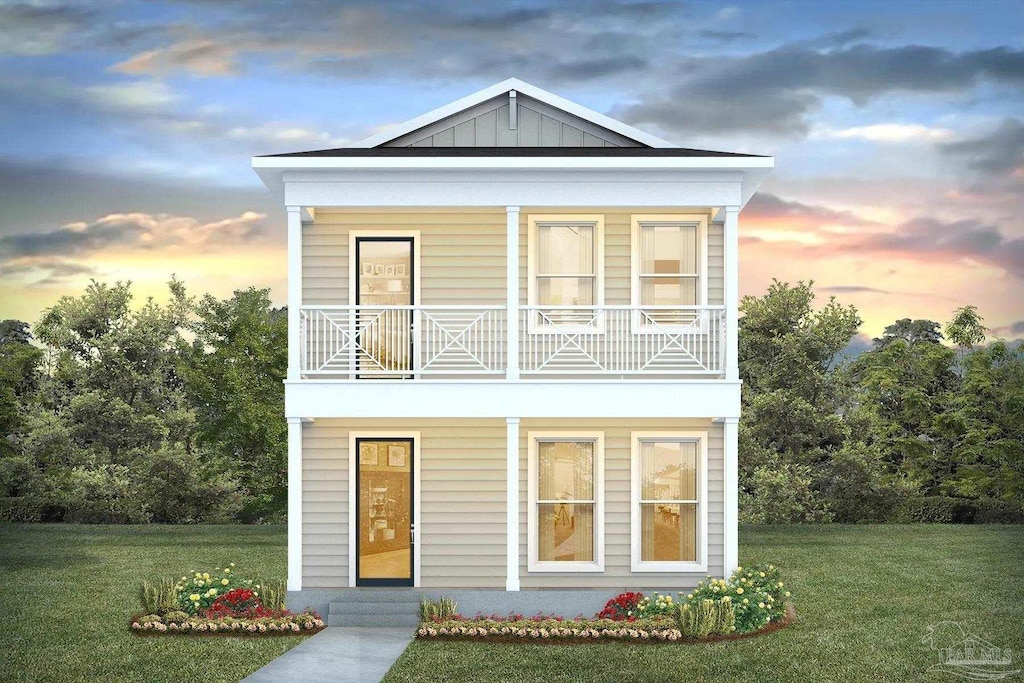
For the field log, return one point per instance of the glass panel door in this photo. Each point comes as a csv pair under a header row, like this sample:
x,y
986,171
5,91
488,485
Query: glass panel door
x,y
384,281
384,510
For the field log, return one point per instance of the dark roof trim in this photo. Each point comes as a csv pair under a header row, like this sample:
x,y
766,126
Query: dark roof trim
x,y
512,152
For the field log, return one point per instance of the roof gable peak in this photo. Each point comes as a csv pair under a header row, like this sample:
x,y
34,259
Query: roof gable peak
x,y
617,129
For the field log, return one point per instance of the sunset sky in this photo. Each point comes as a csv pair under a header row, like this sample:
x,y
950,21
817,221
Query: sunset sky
x,y
126,130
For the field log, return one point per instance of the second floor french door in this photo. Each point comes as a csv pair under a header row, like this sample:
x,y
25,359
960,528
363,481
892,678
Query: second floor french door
x,y
385,280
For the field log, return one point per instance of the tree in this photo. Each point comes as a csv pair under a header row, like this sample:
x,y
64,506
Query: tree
x,y
791,399
233,374
966,330
19,361
911,331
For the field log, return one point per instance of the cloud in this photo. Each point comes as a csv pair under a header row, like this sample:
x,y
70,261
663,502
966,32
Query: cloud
x,y
726,36
46,271
776,91
853,289
34,29
138,231
135,96
200,57
766,207
886,133
997,152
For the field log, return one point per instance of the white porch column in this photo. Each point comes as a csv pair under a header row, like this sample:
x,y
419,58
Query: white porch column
x,y
732,291
730,429
294,291
294,504
512,503
512,292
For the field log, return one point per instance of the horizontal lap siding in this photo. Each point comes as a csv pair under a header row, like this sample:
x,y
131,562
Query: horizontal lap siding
x,y
462,490
462,254
617,469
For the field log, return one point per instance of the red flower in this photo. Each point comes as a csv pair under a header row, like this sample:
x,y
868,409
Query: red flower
x,y
618,607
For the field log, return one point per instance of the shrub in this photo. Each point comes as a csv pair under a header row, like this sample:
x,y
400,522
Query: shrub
x,y
659,605
707,617
782,493
937,509
988,511
443,608
623,606
158,597
196,593
756,594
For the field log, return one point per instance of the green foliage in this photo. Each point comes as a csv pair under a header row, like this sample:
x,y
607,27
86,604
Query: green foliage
x,y
178,487
707,617
232,372
273,594
196,592
782,493
158,597
437,610
756,595
947,510
656,605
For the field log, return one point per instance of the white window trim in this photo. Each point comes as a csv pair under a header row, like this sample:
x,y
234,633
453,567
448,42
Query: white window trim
x,y
532,220
636,563
533,564
353,266
701,221
353,527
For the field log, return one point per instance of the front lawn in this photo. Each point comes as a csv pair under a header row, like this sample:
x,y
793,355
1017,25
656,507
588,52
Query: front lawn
x,y
66,593
865,596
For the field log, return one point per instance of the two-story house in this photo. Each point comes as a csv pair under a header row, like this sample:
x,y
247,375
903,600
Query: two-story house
x,y
512,360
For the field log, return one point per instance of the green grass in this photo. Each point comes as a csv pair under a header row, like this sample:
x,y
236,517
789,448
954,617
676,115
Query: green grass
x,y
865,596
66,593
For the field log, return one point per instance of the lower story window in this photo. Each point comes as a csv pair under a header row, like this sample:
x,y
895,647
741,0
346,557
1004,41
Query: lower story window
x,y
669,496
565,496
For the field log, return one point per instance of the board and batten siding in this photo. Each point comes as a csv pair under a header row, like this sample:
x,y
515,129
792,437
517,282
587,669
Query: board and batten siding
x,y
462,516
462,257
462,491
617,573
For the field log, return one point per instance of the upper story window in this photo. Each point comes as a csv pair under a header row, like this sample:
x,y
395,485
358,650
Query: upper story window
x,y
565,268
669,255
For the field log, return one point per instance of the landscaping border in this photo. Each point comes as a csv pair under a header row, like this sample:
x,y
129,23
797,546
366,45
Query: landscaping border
x,y
470,630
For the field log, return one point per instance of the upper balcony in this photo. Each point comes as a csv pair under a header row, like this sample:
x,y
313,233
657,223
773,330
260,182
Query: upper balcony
x,y
474,342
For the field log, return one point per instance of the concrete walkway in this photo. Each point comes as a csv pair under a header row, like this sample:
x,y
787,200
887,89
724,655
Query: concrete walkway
x,y
338,655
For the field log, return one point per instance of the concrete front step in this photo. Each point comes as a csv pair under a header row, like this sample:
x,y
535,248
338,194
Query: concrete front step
x,y
374,608
362,595
378,620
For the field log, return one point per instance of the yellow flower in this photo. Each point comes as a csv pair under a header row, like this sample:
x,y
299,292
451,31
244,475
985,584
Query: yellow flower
x,y
740,591
200,583
762,575
787,594
771,566
745,601
206,576
227,571
232,564
781,584
198,575
194,597
739,569
761,605
196,604
224,582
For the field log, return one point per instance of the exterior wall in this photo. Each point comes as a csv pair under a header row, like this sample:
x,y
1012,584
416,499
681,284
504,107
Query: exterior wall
x,y
462,489
462,257
462,515
617,471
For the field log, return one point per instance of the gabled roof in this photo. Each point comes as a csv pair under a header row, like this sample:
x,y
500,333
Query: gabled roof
x,y
506,86
400,152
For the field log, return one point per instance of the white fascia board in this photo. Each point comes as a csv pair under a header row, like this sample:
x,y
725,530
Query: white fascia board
x,y
371,162
505,86
499,399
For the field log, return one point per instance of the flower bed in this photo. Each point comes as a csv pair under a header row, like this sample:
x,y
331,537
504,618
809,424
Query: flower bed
x,y
542,629
752,601
280,625
219,603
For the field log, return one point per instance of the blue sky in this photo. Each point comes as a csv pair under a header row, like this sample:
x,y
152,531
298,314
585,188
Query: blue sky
x,y
126,129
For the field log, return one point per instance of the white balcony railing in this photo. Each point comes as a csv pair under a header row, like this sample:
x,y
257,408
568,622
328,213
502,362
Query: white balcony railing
x,y
622,340
397,342
402,341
